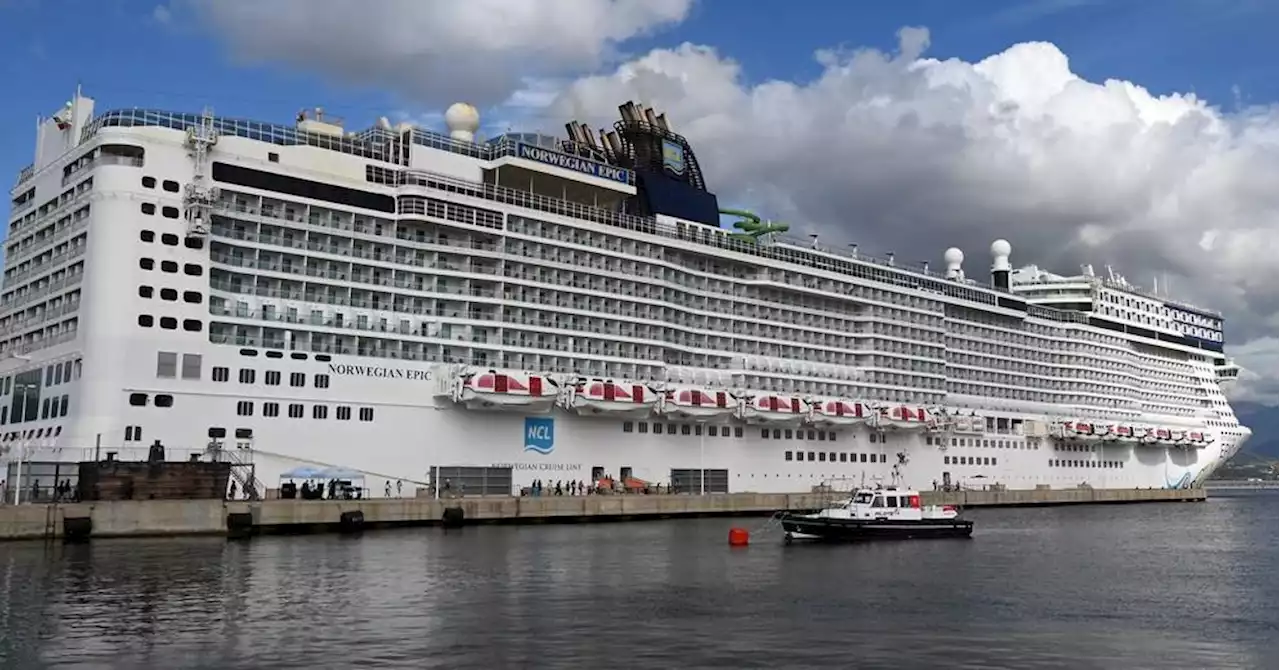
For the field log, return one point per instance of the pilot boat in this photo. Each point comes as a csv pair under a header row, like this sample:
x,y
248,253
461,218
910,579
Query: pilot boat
x,y
877,514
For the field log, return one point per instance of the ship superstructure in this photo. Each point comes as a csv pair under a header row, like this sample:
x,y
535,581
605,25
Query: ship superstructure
x,y
417,306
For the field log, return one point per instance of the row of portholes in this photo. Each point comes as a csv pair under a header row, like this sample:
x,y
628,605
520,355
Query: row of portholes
x,y
171,239
170,323
32,433
170,294
160,400
168,185
168,211
191,269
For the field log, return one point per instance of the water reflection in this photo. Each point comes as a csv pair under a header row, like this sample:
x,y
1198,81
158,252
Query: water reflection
x,y
1143,586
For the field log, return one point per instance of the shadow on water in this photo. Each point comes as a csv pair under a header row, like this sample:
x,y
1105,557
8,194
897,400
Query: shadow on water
x,y
1170,586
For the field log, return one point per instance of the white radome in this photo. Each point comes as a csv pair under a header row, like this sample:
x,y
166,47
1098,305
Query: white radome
x,y
1001,248
463,120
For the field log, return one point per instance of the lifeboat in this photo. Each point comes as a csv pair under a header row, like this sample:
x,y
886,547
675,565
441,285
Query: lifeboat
x,y
1124,433
697,402
1164,435
767,408
836,412
1199,439
1077,430
506,390
903,417
597,397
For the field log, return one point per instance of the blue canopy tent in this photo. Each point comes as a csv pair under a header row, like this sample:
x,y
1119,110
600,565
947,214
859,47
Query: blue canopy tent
x,y
315,472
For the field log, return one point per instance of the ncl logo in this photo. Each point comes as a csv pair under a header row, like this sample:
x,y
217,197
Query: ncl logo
x,y
539,434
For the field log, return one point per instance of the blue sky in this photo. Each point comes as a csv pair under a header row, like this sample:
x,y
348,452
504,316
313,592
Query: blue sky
x,y
124,57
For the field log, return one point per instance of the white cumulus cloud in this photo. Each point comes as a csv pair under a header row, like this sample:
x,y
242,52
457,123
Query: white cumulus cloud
x,y
435,50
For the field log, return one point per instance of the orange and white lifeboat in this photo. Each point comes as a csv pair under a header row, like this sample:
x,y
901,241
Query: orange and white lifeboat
x,y
597,397
837,412
697,402
769,408
904,417
506,390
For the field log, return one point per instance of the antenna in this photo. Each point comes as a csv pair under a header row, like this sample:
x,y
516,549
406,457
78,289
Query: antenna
x,y
814,237
200,196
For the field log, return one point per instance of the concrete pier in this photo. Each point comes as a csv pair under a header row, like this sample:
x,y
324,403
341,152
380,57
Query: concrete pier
x,y
162,518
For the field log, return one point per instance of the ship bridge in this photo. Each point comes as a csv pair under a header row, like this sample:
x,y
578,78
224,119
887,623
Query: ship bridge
x,y
546,166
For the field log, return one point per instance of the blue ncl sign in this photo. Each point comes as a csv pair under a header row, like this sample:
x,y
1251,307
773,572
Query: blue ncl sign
x,y
540,434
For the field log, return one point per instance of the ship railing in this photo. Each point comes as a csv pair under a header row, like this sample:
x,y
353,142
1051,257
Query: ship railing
x,y
40,343
660,275
44,291
25,175
22,254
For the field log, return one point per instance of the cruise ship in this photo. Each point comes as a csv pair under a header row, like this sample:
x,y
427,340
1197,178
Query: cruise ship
x,y
409,307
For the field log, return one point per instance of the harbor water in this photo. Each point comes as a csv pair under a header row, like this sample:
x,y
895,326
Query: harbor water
x,y
1129,586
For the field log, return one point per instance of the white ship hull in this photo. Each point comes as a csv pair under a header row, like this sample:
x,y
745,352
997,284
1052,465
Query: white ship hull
x,y
290,331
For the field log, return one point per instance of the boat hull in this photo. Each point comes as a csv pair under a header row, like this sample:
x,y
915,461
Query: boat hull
x,y
860,530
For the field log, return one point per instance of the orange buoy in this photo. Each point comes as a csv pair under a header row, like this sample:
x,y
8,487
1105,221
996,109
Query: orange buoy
x,y
739,537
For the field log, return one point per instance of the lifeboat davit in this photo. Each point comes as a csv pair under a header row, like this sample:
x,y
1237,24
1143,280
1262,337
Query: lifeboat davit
x,y
1104,431
597,397
506,391
767,408
1178,437
697,402
1145,435
903,417
837,412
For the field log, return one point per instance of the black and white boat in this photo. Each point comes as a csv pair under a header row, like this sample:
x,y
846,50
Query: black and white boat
x,y
878,514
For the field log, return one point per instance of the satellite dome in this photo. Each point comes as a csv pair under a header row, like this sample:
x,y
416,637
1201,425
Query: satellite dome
x,y
953,256
1001,248
463,121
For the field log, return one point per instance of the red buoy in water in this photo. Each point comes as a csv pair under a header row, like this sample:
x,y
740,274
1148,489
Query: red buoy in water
x,y
739,537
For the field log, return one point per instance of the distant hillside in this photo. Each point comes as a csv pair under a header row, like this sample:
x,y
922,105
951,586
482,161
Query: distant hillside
x,y
1264,421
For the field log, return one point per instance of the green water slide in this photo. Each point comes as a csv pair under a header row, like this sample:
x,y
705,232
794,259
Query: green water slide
x,y
750,227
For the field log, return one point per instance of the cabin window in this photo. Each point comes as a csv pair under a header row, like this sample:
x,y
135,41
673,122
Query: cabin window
x,y
878,501
642,427
891,501
627,426
786,455
684,429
